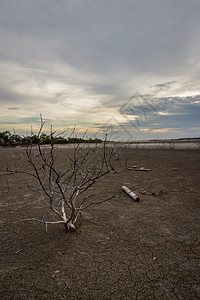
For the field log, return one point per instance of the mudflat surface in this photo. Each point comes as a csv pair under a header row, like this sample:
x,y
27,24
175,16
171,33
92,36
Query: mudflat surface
x,y
122,249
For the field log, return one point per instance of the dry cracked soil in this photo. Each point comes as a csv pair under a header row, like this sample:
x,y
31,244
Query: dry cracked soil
x,y
122,249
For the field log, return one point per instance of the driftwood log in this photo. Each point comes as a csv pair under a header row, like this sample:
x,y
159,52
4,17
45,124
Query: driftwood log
x,y
130,193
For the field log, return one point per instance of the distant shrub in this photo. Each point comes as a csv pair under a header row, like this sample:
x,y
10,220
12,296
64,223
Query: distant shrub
x,y
8,139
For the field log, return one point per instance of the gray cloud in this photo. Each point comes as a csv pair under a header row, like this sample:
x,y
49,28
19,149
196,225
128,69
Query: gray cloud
x,y
13,108
55,53
164,86
101,36
148,105
161,113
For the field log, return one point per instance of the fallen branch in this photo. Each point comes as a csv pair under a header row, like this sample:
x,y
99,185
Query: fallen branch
x,y
139,169
40,220
130,193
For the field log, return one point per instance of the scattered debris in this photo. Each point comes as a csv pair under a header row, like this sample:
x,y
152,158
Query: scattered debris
x,y
197,242
56,272
155,194
176,170
135,168
18,251
154,258
130,193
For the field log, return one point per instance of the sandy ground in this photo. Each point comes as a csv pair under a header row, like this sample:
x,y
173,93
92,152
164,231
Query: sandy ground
x,y
122,249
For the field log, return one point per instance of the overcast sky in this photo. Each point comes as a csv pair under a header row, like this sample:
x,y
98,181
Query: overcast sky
x,y
127,66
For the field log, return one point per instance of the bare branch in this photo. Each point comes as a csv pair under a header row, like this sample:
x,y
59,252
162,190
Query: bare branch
x,y
41,125
95,202
67,185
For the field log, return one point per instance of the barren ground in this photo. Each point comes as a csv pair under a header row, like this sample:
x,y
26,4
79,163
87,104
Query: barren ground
x,y
122,249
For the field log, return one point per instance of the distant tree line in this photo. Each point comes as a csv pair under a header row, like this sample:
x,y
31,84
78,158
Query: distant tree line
x,y
8,139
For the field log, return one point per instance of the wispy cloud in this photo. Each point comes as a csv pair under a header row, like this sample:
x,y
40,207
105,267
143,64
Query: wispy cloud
x,y
164,86
13,108
165,130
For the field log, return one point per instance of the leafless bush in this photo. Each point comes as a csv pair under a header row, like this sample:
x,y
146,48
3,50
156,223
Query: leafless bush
x,y
68,185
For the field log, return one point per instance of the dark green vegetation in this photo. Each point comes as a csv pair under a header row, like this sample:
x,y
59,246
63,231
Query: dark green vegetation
x,y
8,139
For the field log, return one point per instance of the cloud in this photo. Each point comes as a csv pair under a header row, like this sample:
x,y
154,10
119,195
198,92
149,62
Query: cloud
x,y
164,130
164,86
102,37
80,62
148,105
